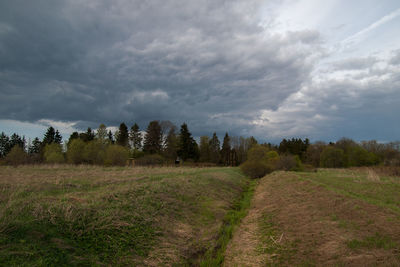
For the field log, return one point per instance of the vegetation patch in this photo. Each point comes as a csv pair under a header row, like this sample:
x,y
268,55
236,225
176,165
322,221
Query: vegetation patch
x,y
375,241
87,215
215,255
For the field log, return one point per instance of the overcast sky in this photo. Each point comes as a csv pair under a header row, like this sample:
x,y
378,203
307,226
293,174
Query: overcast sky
x,y
271,69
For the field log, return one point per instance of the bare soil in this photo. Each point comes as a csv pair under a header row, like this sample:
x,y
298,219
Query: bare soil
x,y
293,221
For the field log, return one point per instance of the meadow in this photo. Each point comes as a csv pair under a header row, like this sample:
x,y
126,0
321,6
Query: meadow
x,y
331,217
69,215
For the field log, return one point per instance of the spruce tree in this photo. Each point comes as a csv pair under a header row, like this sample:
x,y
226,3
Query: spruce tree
x,y
49,136
123,135
57,137
153,138
187,147
35,146
226,150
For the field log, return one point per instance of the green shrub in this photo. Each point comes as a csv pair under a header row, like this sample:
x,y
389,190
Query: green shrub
x,y
75,151
255,169
116,155
94,152
17,156
53,153
260,161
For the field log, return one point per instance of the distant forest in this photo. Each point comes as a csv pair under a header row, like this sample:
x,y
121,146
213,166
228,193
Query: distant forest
x,y
161,143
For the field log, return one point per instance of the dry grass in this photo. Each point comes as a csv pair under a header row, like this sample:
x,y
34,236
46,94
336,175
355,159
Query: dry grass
x,y
329,218
84,215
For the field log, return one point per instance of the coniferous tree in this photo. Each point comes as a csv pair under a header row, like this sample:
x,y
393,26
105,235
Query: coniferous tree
x,y
4,144
187,146
135,136
122,138
57,137
16,140
215,149
226,150
153,138
34,148
49,136
110,137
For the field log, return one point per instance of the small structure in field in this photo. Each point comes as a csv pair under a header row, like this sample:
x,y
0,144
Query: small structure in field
x,y
130,162
178,161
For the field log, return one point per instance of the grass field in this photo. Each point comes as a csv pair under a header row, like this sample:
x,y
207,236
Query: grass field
x,y
327,218
85,215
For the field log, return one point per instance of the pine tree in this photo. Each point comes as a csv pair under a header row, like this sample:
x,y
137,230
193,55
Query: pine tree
x,y
215,149
135,136
226,150
123,135
153,138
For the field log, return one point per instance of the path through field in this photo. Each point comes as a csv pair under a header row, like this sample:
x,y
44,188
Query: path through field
x,y
333,218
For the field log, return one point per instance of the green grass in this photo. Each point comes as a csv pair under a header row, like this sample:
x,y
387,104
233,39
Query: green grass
x,y
355,184
215,256
271,242
85,215
375,241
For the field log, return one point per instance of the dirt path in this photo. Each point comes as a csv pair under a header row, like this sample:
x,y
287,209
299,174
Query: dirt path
x,y
296,222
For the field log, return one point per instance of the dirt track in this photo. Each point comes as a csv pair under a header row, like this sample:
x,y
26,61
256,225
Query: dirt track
x,y
293,221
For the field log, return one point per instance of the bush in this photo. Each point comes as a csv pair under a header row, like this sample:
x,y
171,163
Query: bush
x,y
53,153
290,163
16,156
152,159
255,169
116,155
75,151
94,152
260,161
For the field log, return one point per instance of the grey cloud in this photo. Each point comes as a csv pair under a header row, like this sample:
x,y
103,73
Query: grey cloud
x,y
363,106
355,63
395,60
208,63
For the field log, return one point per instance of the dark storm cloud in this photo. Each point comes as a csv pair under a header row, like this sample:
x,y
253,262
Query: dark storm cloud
x,y
208,63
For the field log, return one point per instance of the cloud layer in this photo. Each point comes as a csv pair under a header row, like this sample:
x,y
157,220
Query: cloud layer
x,y
218,65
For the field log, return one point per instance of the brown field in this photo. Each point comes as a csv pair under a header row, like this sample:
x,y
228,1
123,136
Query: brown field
x,y
328,218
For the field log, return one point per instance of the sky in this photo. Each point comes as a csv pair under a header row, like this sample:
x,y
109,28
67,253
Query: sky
x,y
269,69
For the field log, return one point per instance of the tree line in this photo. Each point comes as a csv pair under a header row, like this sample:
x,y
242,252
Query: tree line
x,y
162,143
